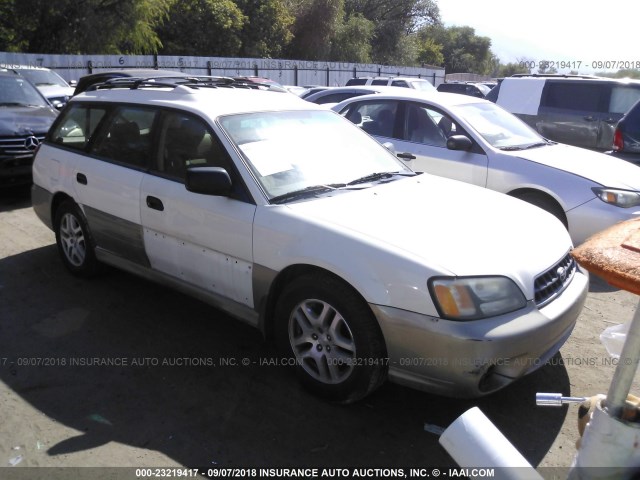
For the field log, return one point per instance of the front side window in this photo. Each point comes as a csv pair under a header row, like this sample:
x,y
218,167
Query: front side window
x,y
185,141
127,136
75,128
427,126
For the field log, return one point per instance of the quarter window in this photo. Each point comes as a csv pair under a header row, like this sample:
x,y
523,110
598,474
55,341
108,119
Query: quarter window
x,y
127,137
623,98
375,118
77,126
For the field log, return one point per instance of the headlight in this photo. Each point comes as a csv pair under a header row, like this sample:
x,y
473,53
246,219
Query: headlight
x,y
617,197
472,298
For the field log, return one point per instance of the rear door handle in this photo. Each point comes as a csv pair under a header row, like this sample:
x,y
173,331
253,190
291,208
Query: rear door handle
x,y
81,178
590,118
155,203
406,156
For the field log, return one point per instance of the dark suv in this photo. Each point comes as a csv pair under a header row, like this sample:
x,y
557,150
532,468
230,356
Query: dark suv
x,y
25,118
577,110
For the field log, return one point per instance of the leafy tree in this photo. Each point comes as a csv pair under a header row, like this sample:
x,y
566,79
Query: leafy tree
x,y
316,24
394,21
202,27
462,49
352,40
429,52
512,69
267,30
81,26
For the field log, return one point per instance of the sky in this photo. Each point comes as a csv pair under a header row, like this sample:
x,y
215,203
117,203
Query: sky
x,y
583,34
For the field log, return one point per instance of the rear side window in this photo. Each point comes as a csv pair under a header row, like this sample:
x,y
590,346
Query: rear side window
x,y
75,128
375,117
583,97
623,98
127,136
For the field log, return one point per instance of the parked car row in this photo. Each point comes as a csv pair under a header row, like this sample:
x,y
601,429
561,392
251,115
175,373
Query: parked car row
x,y
290,217
475,141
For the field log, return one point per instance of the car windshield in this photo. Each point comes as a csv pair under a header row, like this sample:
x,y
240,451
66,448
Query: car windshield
x,y
290,151
42,77
16,91
498,127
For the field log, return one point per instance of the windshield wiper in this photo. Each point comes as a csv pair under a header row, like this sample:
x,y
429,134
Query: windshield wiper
x,y
306,192
511,148
372,177
536,145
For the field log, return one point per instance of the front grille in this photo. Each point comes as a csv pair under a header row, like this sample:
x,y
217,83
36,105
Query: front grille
x,y
10,146
551,283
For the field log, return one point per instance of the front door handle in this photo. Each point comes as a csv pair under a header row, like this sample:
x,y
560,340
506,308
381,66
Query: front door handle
x,y
406,156
81,178
155,203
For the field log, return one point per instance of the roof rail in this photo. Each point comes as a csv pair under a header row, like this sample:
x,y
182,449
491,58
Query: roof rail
x,y
133,83
553,75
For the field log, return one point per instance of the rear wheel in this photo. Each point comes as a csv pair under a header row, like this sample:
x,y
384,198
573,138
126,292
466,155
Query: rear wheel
x,y
333,336
74,241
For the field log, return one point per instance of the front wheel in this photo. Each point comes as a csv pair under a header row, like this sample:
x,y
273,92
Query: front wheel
x,y
333,336
74,241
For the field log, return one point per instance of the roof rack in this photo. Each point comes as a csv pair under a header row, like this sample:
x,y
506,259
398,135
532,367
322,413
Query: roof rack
x,y
133,83
553,75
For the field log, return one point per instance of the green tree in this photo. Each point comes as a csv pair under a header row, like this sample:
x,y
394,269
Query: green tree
x,y
394,21
88,26
429,52
267,30
512,68
202,27
316,24
352,40
462,49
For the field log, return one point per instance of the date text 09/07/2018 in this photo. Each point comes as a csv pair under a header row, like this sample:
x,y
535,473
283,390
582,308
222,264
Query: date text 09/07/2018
x,y
306,473
577,64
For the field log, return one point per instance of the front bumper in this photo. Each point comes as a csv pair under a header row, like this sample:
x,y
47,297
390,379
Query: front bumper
x,y
15,170
471,359
595,216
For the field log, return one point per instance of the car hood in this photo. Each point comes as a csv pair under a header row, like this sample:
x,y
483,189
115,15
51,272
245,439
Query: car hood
x,y
449,226
20,121
595,166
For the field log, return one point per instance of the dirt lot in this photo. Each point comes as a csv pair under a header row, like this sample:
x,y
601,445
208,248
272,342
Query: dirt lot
x,y
173,396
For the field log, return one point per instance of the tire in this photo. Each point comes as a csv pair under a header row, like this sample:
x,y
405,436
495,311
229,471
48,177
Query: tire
x,y
332,334
545,203
75,244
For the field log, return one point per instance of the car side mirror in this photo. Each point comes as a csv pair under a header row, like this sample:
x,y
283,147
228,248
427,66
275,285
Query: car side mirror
x,y
459,142
208,181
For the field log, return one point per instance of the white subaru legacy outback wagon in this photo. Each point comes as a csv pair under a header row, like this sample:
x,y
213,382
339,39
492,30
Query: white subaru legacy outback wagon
x,y
294,220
